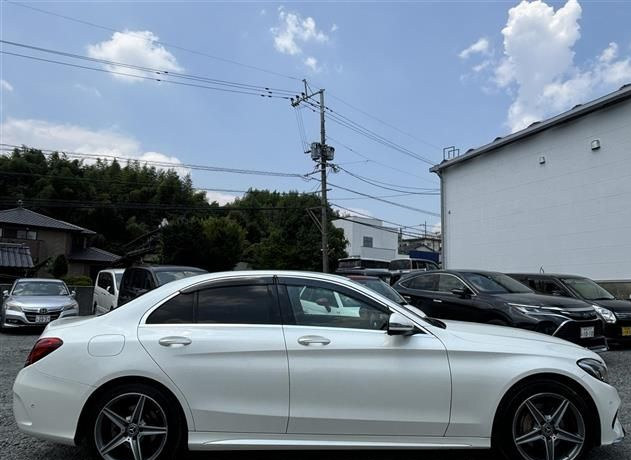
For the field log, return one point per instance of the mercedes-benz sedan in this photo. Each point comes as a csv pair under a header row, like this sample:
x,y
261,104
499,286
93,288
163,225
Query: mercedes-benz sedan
x,y
36,302
260,360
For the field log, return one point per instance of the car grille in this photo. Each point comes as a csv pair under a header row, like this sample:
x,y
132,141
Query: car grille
x,y
571,330
623,315
580,315
30,316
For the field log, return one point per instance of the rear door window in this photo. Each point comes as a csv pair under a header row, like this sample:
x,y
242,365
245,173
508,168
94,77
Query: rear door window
x,y
253,304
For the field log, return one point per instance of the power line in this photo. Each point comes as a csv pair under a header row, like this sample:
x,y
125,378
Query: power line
x,y
160,80
162,164
165,44
433,192
362,198
228,83
370,160
379,227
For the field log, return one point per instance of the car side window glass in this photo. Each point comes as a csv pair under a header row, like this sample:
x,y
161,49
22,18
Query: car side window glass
x,y
323,307
237,305
548,287
145,280
422,282
448,282
177,310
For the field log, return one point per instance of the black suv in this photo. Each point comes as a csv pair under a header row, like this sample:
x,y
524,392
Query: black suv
x,y
616,313
495,298
140,279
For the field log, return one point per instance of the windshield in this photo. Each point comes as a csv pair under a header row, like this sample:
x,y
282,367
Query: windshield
x,y
383,289
167,276
588,289
119,277
39,288
495,283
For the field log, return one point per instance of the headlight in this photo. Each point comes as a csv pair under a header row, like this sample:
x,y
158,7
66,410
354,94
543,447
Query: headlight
x,y
13,307
605,314
70,306
595,368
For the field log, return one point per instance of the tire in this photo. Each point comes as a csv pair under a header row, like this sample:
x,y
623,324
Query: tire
x,y
533,425
134,416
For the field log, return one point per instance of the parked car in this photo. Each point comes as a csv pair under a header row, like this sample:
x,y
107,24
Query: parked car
x,y
495,298
364,266
229,361
106,289
400,267
615,313
36,302
140,279
378,285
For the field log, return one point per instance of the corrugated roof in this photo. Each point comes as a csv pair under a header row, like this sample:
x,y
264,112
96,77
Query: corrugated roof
x,y
93,255
28,218
624,93
15,256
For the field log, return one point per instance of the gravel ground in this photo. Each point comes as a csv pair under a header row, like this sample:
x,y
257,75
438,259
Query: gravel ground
x,y
13,445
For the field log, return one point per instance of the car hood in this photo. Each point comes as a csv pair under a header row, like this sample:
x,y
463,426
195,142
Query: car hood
x,y
38,301
566,303
491,337
616,305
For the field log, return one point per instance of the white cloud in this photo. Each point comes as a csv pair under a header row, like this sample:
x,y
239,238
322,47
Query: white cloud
x,y
140,48
221,198
537,68
88,89
334,28
72,138
295,30
482,46
312,63
6,86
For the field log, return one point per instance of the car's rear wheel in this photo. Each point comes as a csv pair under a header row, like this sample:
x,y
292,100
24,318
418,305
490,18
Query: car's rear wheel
x,y
545,420
134,422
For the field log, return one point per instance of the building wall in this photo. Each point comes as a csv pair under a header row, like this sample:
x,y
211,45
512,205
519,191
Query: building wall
x,y
505,211
385,240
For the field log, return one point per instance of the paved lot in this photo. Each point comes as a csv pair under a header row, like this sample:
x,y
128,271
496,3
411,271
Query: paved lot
x,y
13,445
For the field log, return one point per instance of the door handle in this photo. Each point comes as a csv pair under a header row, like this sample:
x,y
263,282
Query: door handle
x,y
313,340
174,341
438,301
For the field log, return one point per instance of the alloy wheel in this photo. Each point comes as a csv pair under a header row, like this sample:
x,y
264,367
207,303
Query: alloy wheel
x,y
132,426
548,426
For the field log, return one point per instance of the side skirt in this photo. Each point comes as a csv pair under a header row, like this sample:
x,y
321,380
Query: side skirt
x,y
256,441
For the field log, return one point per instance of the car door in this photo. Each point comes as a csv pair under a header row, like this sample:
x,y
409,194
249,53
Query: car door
x,y
223,346
459,307
349,377
420,291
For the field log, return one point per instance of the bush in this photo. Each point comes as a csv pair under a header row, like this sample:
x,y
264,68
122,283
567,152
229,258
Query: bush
x,y
78,280
59,268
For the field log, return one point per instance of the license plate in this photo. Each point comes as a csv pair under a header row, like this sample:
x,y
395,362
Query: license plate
x,y
42,318
626,331
587,332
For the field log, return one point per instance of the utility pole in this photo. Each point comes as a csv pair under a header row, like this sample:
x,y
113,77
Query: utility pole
x,y
321,153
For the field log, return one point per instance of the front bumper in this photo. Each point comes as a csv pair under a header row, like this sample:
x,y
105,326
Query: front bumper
x,y
619,331
48,407
24,318
608,404
570,330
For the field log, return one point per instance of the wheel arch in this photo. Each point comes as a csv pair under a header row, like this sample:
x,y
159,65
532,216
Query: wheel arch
x,y
560,378
82,427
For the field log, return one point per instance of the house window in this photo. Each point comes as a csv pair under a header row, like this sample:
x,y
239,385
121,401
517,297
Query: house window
x,y
367,242
26,235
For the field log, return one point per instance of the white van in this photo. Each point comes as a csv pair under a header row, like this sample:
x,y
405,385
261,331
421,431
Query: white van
x,y
106,290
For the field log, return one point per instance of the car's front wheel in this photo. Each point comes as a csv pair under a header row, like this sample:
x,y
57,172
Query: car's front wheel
x,y
134,422
545,420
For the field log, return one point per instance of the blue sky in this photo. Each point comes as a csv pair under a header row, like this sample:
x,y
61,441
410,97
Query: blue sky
x,y
448,73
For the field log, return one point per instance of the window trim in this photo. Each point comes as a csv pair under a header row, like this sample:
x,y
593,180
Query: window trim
x,y
452,275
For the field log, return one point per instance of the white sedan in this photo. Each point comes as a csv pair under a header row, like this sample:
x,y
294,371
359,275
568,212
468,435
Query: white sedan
x,y
243,360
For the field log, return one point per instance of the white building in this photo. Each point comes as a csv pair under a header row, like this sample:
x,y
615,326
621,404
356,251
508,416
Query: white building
x,y
368,238
556,195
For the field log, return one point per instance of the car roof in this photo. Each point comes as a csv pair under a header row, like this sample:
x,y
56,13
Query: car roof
x,y
549,275
113,270
363,277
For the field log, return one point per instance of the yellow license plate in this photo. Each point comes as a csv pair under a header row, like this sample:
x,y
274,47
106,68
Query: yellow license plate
x,y
626,331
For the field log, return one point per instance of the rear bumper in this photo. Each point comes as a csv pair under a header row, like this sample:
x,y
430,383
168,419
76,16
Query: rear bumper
x,y
48,407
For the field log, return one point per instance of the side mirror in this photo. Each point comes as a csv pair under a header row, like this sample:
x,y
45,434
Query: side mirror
x,y
557,293
400,325
73,294
109,289
462,293
5,293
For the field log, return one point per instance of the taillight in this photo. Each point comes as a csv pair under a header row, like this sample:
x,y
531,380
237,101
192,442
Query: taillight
x,y
43,347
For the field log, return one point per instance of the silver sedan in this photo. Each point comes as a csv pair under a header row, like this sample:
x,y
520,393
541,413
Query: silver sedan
x,y
36,302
